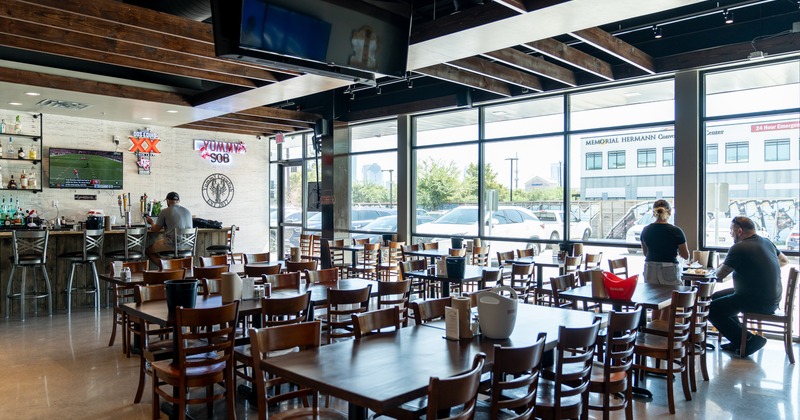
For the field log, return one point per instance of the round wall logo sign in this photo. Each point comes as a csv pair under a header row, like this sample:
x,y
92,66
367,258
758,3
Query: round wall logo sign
x,y
218,190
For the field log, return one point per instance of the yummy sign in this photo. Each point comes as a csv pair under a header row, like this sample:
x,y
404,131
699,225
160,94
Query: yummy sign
x,y
218,151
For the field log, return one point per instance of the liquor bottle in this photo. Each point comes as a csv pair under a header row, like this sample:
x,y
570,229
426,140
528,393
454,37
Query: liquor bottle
x,y
23,181
12,183
32,153
21,153
1,149
3,126
10,148
32,179
18,126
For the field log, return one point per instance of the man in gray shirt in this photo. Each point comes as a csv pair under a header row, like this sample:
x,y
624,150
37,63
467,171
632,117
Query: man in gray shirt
x,y
175,216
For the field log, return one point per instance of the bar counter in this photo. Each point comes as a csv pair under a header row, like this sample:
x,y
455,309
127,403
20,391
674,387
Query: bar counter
x,y
66,240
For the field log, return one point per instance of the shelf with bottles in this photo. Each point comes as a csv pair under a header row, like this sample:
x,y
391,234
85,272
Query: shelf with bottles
x,y
21,154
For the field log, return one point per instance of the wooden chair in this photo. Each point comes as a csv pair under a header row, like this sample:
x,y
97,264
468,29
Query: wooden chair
x,y
367,266
210,272
154,341
699,337
209,287
120,295
388,269
257,270
395,294
338,257
514,381
430,245
591,261
372,322
612,375
521,278
340,305
328,275
491,277
274,312
204,357
213,260
314,248
266,343
562,284
257,257
778,322
410,248
572,264
177,263
563,396
525,252
480,256
577,249
305,244
460,391
159,277
671,348
283,281
300,266
418,286
619,267
361,241
429,310
503,259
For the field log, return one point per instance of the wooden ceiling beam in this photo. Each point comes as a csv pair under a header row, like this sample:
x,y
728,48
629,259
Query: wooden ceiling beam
x,y
572,56
287,116
536,65
249,125
515,5
616,47
499,72
279,124
200,125
466,78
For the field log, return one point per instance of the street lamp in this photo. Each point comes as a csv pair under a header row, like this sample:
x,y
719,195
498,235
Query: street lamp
x,y
511,175
390,184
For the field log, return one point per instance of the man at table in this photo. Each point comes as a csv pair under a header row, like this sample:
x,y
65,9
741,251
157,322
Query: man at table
x,y
756,266
175,216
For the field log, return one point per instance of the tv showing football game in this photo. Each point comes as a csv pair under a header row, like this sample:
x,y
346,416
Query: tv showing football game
x,y
92,169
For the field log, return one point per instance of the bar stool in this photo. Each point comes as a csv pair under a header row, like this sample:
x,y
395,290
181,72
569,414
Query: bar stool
x,y
91,252
30,250
226,249
135,244
183,242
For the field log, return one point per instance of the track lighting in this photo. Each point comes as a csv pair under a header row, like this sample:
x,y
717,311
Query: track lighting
x,y
657,33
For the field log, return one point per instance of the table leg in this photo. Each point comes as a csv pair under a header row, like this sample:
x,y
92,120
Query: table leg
x,y
356,412
445,288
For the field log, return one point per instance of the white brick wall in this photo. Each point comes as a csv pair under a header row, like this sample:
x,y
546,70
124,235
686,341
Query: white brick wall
x,y
177,168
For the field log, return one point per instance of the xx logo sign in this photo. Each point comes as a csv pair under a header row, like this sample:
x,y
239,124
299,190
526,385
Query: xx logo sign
x,y
144,145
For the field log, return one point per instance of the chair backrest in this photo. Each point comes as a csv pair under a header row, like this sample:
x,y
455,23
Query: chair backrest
x,y
93,243
395,252
176,263
257,257
429,309
370,254
791,292
185,241
480,255
521,276
315,246
256,270
562,284
28,243
283,281
213,260
135,241
372,322
337,255
575,350
300,266
211,272
360,241
701,310
573,264
504,256
525,252
681,319
619,266
282,311
491,276
411,265
430,245
136,266
205,337
459,390
209,287
516,368
148,293
328,275
397,294
230,237
410,248
305,243
159,277
577,249
341,305
592,260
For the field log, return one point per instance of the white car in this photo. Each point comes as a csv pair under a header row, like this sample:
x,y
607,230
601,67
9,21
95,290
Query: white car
x,y
554,225
507,222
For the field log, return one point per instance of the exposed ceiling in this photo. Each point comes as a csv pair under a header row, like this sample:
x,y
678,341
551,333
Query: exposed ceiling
x,y
129,62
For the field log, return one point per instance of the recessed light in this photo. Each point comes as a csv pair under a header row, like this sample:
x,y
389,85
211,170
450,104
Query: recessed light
x,y
32,93
631,94
499,113
15,103
146,118
172,111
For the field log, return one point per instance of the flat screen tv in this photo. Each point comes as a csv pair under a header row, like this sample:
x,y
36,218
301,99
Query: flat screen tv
x,y
92,169
352,39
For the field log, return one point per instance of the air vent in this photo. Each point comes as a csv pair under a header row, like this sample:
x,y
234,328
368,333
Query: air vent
x,y
56,103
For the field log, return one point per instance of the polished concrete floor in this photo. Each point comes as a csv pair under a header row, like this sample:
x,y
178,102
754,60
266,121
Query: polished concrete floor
x,y
61,367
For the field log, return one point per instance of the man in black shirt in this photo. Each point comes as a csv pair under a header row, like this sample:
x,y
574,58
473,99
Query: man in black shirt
x,y
756,266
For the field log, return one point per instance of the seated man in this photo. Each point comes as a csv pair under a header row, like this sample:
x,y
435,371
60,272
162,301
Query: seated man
x,y
756,265
175,216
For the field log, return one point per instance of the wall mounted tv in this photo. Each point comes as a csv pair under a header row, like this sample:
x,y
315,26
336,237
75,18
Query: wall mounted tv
x,y
353,40
94,169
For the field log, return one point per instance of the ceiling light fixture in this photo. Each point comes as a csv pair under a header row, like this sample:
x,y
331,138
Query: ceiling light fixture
x,y
146,118
728,15
32,93
15,103
657,32
172,111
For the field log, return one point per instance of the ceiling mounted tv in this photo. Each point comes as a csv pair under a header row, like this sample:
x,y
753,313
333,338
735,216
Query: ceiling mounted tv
x,y
351,40
92,169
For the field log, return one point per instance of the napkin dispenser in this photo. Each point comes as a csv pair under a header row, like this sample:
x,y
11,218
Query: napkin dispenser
x,y
497,314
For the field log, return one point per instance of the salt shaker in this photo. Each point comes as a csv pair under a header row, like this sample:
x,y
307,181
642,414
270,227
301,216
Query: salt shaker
x,y
126,273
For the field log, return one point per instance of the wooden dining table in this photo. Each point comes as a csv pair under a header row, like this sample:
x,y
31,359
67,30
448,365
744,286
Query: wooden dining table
x,y
650,296
433,254
383,371
540,262
471,273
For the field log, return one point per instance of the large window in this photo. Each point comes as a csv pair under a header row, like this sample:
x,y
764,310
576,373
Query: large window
x,y
616,159
594,161
712,154
668,157
645,158
737,152
775,150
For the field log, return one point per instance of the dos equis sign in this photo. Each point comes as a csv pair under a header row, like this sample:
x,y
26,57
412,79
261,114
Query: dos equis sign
x,y
219,151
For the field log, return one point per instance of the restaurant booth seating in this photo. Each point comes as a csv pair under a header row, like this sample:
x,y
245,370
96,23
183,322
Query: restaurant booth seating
x,y
91,253
30,250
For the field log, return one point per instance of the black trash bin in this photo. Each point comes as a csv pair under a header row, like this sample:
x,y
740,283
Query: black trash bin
x,y
180,293
456,243
456,267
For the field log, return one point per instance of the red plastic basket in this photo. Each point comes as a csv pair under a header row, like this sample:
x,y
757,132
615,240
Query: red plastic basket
x,y
618,288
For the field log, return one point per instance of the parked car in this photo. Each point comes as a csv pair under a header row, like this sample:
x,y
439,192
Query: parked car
x,y
554,225
507,221
385,224
793,241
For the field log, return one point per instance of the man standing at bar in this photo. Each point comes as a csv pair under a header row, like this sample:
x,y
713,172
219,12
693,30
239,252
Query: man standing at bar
x,y
175,216
756,265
